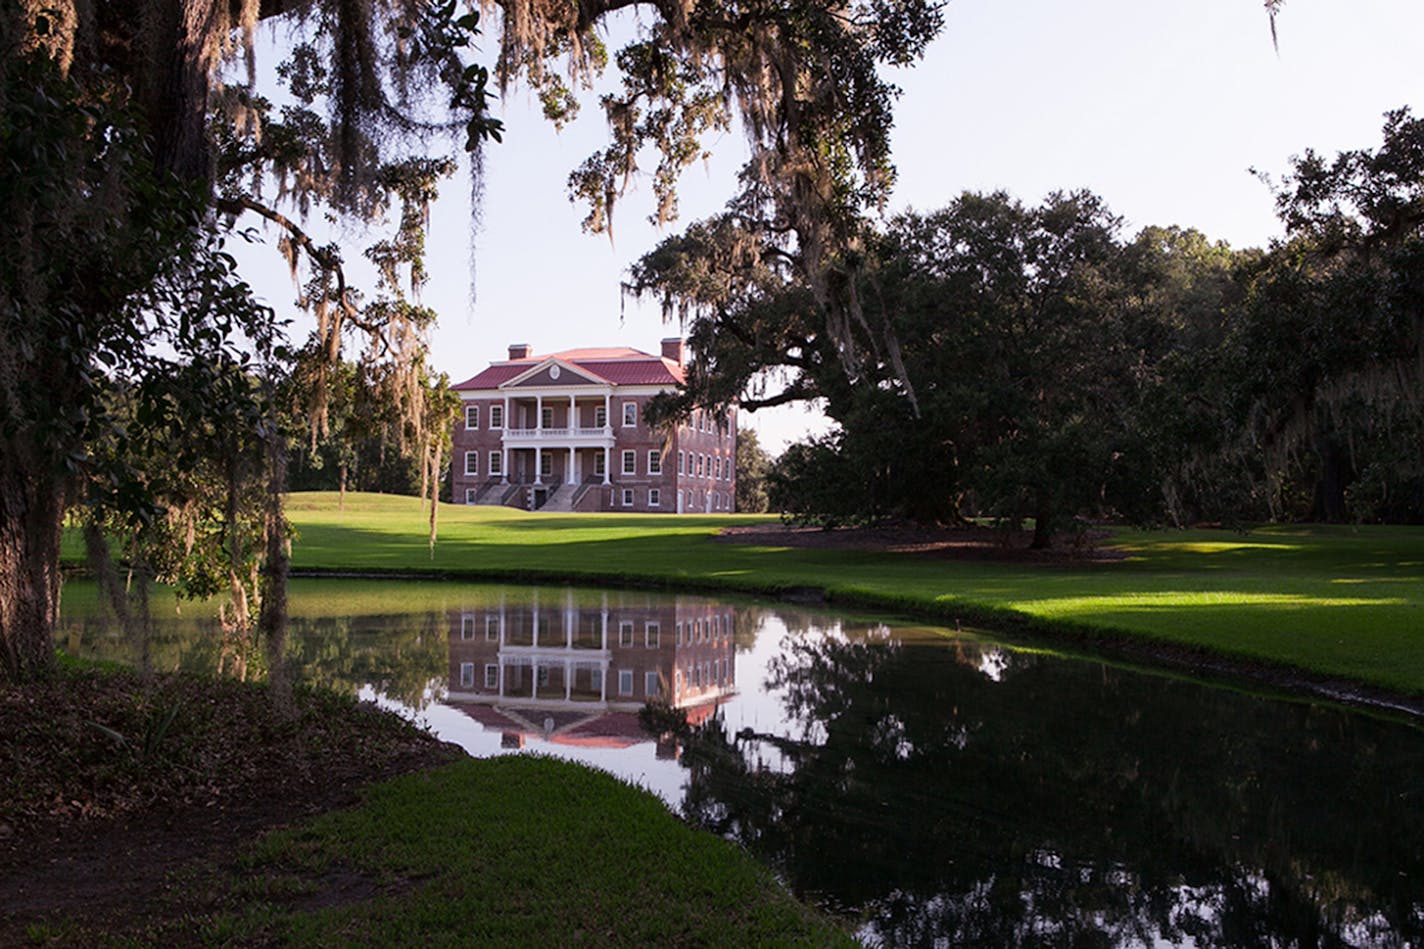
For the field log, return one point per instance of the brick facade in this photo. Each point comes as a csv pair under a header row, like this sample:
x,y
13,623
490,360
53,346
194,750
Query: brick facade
x,y
569,431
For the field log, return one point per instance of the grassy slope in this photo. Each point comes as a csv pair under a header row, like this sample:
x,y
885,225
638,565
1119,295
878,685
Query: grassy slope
x,y
1334,600
521,851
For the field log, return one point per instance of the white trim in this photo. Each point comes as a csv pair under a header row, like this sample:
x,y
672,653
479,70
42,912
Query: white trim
x,y
623,408
551,361
472,416
629,454
655,497
492,422
472,462
655,461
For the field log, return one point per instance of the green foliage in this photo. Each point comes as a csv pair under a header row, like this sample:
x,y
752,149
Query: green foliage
x,y
753,467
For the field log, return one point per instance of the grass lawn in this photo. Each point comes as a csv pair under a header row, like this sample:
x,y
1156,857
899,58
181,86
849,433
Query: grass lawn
x,y
1337,601
517,851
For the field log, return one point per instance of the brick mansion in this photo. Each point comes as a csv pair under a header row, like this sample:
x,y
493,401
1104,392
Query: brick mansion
x,y
569,432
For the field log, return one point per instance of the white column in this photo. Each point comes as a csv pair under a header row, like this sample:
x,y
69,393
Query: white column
x,y
568,679
573,413
539,411
607,465
504,464
607,413
571,477
538,465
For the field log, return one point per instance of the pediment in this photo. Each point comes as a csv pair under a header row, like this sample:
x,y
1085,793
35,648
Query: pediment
x,y
553,372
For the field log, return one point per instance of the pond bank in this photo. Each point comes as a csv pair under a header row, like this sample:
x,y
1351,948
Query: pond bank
x,y
1333,612
156,836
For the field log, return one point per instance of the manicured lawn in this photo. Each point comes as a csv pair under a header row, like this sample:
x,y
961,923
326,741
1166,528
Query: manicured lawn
x,y
1338,601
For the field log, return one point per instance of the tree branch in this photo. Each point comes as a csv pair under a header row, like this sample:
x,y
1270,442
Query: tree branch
x,y
323,258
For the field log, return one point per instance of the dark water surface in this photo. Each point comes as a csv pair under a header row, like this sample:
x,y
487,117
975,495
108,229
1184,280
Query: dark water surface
x,y
942,788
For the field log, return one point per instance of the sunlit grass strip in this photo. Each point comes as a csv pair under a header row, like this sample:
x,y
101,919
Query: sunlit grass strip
x,y
519,851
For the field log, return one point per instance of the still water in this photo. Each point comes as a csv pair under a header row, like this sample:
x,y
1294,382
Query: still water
x,y
939,787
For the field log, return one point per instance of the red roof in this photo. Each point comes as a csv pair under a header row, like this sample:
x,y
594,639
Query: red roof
x,y
616,365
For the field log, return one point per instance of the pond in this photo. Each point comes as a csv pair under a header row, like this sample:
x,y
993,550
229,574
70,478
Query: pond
x,y
940,787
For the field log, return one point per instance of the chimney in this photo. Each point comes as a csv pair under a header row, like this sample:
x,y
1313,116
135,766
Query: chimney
x,y
520,351
672,349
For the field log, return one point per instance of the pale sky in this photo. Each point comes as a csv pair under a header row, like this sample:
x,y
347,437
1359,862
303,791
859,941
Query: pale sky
x,y
1161,108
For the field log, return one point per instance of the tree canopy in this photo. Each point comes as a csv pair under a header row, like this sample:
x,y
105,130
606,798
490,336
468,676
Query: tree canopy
x,y
1048,368
141,142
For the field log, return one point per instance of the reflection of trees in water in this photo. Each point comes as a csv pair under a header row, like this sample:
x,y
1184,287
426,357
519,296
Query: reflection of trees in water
x,y
402,656
1068,803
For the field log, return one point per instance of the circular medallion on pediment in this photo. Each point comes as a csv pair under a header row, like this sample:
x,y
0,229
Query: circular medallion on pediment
x,y
553,372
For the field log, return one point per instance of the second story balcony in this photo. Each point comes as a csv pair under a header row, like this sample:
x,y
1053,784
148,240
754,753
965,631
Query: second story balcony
x,y
551,434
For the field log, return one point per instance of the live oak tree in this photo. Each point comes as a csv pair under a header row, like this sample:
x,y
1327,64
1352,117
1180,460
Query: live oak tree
x,y
137,144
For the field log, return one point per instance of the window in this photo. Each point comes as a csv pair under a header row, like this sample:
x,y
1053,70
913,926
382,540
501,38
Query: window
x,y
600,463
467,626
467,674
679,634
543,675
546,465
600,417
655,462
492,676
472,462
627,497
680,469
655,498
491,628
650,685
496,463
470,495
717,467
625,681
546,417
651,632
700,459
630,462
625,633
630,414
496,416
472,416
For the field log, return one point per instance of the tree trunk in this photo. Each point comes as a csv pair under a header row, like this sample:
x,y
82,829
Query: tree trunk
x,y
31,517
272,619
1042,520
1335,477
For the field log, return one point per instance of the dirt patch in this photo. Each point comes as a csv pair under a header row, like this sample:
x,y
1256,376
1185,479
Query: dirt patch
x,y
95,836
959,543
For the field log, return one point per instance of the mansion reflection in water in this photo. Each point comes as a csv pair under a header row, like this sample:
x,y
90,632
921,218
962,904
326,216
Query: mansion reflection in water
x,y
575,672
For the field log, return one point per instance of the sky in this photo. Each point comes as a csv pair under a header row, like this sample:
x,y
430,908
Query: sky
x,y
1162,108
